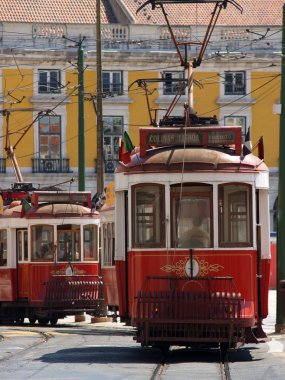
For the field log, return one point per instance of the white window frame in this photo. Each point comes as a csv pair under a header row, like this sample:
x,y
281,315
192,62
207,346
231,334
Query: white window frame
x,y
236,122
234,84
48,80
112,83
174,85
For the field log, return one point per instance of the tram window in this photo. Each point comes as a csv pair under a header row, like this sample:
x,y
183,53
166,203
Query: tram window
x,y
68,238
42,239
90,242
22,245
235,215
191,216
109,244
148,215
3,248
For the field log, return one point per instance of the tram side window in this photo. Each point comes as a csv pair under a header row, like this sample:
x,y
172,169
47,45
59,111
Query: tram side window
x,y
191,210
90,235
42,240
235,215
3,248
109,244
22,245
68,242
148,215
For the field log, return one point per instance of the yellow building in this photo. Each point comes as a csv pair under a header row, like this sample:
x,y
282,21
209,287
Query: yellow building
x,y
238,80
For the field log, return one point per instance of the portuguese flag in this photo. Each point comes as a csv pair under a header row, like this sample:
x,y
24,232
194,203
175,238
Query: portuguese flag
x,y
126,148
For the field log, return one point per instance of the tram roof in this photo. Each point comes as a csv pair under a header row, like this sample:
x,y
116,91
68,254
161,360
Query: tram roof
x,y
191,159
51,211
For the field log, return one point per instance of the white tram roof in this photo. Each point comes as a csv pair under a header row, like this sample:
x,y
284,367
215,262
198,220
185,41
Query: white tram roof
x,y
172,159
50,211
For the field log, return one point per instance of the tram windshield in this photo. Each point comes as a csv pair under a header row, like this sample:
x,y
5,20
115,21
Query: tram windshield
x,y
191,216
68,237
42,239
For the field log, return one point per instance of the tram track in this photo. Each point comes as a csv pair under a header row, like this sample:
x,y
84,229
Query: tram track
x,y
223,373
224,366
44,337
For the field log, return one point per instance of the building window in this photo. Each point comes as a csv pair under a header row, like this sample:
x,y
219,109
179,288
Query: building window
x,y
49,81
112,82
191,213
50,137
42,239
68,243
90,236
113,130
148,216
3,248
108,244
235,83
237,121
173,82
235,215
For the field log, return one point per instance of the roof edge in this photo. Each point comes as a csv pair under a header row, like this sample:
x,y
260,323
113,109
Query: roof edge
x,y
121,11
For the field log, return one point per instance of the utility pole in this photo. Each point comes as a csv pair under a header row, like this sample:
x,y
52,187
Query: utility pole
x,y
280,319
100,150
81,123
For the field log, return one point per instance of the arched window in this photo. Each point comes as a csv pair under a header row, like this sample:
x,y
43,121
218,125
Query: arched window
x,y
191,210
148,215
235,215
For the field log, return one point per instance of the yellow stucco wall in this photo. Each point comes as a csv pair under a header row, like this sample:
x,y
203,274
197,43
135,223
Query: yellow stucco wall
x,y
89,119
265,87
17,84
139,116
205,97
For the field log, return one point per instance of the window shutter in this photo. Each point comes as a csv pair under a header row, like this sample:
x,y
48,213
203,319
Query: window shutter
x,y
43,88
117,83
54,81
228,83
239,83
106,82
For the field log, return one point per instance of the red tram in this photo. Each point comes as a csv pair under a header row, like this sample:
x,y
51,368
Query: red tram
x,y
192,237
48,256
108,269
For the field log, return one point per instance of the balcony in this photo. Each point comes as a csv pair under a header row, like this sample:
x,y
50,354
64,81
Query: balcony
x,y
51,165
2,165
109,166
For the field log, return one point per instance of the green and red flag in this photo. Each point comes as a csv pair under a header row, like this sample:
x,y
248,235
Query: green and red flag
x,y
126,148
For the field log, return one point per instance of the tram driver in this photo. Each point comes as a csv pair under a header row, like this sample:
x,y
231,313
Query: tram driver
x,y
196,237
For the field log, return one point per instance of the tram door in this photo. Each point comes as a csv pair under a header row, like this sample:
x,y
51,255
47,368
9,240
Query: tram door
x,y
22,263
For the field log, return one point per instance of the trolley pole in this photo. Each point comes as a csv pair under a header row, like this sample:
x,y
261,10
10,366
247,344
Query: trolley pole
x,y
280,317
81,126
100,142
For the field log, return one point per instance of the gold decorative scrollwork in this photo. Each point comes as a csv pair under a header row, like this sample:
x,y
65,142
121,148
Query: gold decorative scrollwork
x,y
179,267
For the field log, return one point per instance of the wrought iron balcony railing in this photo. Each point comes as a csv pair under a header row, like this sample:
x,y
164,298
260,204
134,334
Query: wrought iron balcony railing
x,y
2,165
109,166
51,165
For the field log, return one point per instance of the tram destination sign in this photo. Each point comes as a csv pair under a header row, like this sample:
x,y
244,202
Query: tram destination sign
x,y
199,136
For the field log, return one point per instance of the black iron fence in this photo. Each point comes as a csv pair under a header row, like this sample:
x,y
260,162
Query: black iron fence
x,y
51,165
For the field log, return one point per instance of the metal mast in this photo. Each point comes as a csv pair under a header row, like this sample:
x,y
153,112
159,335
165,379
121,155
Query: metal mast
x,y
100,150
81,122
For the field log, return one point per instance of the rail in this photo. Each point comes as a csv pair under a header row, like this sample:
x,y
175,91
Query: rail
x,y
73,292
